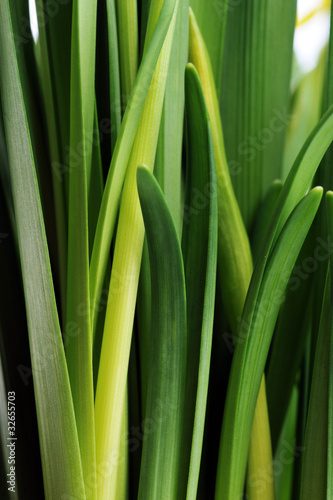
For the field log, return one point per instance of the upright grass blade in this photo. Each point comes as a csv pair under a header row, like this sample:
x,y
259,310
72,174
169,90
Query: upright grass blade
x,y
58,34
255,333
286,452
295,187
304,117
160,472
16,363
265,213
168,171
329,492
200,258
212,17
234,254
5,175
79,347
145,6
128,35
114,72
111,383
292,332
53,135
324,173
61,462
297,183
96,185
260,485
314,460
168,168
255,95
121,155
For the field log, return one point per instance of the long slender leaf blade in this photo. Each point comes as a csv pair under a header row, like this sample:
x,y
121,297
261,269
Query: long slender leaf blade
x,y
234,254
295,187
212,21
168,168
111,384
43,59
16,362
265,213
114,72
162,448
61,462
314,459
128,34
329,205
168,171
255,333
79,347
255,95
291,336
122,152
200,260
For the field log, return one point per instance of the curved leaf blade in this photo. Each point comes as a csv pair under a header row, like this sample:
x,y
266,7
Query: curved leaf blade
x,y
255,333
61,462
162,449
121,155
200,261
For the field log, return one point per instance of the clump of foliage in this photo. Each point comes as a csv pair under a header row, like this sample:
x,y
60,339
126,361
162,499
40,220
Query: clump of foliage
x,y
166,235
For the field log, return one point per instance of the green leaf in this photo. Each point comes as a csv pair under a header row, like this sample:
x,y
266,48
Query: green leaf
x,y
168,171
49,104
168,167
211,18
114,359
286,452
255,95
81,176
96,186
58,33
114,72
162,449
200,259
291,336
314,460
260,486
329,205
121,155
16,364
264,215
234,253
304,117
61,462
128,36
253,340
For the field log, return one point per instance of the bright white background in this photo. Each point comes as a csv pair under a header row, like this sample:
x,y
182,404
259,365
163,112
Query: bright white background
x,y
311,36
